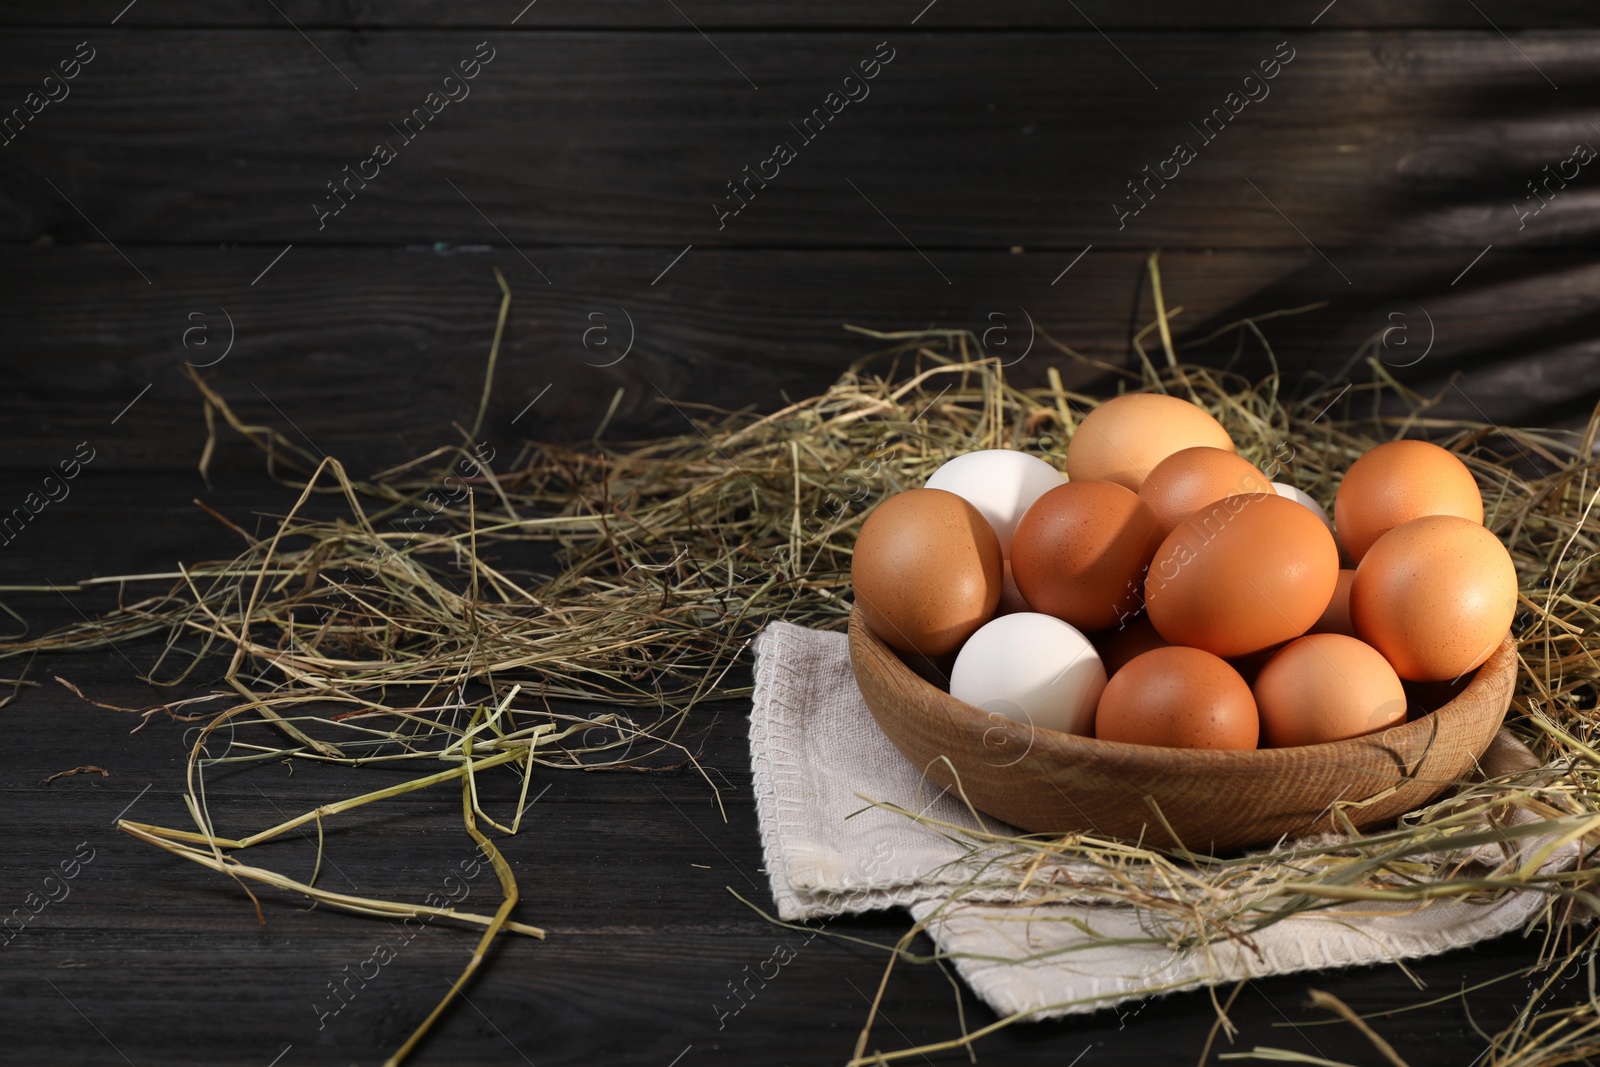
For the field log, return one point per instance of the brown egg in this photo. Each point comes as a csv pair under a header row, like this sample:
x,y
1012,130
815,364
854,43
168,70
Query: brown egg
x,y
1080,551
926,571
1191,478
1336,616
1250,572
1123,438
1326,687
1011,599
1179,697
1129,638
1396,482
1435,595
1250,665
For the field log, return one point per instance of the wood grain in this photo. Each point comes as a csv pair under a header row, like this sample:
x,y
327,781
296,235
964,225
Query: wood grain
x,y
1209,801
370,354
595,142
990,141
169,964
1158,15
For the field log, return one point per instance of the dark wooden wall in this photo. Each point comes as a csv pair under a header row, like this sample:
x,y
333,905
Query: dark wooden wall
x,y
138,214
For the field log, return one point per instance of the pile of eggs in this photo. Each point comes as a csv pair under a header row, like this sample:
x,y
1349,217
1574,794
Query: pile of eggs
x,y
1167,592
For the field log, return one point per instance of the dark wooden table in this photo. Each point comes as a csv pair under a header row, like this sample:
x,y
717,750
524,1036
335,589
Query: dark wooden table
x,y
148,959
170,204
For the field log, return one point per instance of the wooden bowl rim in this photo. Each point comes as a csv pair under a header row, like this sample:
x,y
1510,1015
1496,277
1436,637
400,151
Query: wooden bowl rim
x,y
1410,736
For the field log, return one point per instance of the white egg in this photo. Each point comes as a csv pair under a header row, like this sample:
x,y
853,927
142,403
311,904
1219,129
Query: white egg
x,y
1302,497
1001,483
1033,668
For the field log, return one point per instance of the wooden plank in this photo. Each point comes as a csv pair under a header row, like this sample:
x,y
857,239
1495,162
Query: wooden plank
x,y
597,154
966,140
649,996
829,14
371,354
170,965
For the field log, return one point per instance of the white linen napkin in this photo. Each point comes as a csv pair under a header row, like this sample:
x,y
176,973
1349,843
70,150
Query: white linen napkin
x,y
816,751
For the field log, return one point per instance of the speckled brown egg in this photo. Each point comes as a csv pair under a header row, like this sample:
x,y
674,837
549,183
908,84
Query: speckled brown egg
x,y
1435,595
1121,643
1247,573
1122,439
1326,687
1191,478
1011,598
1396,482
926,571
1080,551
1179,697
1250,665
1335,617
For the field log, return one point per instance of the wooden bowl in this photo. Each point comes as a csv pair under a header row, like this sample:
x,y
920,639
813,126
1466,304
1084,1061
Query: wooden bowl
x,y
1212,801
